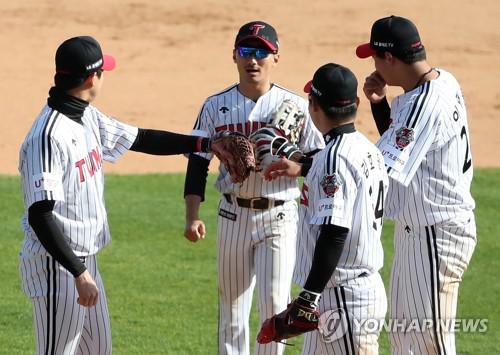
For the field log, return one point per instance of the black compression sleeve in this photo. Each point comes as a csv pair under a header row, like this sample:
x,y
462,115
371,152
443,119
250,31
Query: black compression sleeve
x,y
196,176
382,114
50,235
327,254
306,165
156,142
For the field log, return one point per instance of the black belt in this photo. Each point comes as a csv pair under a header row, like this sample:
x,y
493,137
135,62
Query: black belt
x,y
256,203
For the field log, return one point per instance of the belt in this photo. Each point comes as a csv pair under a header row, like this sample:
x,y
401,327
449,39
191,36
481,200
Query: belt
x,y
255,203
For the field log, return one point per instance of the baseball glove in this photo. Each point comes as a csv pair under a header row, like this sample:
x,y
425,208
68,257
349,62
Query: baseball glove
x,y
289,118
235,151
299,317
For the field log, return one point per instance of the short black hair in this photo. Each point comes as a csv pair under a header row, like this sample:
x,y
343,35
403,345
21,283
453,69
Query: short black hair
x,y
69,82
407,57
336,113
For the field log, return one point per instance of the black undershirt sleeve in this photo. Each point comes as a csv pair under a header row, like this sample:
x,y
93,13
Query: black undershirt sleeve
x,y
156,142
41,219
196,176
306,165
327,254
382,114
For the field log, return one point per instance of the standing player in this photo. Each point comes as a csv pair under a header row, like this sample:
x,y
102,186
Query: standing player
x,y
257,220
425,144
65,222
339,252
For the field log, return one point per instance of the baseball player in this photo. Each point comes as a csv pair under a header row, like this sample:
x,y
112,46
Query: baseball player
x,y
426,147
339,252
257,220
65,222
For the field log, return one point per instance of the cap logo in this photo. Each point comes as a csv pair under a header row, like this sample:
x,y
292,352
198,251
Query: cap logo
x,y
383,44
316,91
94,65
256,27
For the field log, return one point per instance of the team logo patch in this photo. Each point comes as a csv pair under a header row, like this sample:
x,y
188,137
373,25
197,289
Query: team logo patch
x,y
330,184
404,136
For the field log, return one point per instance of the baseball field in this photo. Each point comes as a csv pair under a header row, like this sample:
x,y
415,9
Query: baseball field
x,y
162,289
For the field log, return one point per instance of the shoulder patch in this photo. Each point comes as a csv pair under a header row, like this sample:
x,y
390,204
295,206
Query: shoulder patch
x,y
330,184
404,136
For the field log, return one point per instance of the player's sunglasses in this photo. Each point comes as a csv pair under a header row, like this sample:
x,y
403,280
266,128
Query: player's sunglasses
x,y
258,53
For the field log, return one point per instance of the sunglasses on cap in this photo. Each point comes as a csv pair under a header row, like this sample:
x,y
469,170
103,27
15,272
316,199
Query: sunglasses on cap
x,y
258,53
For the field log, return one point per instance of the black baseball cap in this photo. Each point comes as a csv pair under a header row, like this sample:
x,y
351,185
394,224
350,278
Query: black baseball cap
x,y
335,86
258,30
393,34
81,56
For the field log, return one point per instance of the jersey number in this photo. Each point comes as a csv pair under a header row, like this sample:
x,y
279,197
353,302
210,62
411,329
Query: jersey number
x,y
379,207
467,160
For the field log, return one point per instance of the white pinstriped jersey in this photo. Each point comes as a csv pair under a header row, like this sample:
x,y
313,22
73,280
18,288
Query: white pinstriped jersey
x,y
346,186
62,160
427,152
230,110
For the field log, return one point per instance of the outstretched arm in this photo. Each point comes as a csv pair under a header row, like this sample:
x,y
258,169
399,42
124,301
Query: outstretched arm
x,y
157,142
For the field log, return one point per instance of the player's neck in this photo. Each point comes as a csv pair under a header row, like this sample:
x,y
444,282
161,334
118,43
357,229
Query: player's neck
x,y
254,90
327,124
84,95
416,74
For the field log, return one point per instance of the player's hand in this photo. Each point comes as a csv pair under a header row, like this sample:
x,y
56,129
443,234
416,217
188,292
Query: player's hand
x,y
375,87
195,230
282,167
87,290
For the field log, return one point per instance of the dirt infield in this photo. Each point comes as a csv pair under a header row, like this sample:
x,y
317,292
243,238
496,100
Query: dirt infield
x,y
171,55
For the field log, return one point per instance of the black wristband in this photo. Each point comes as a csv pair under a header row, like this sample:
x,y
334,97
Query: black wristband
x,y
382,114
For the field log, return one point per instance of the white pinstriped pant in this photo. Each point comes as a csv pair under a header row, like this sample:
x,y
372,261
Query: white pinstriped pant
x,y
360,301
429,262
61,325
258,248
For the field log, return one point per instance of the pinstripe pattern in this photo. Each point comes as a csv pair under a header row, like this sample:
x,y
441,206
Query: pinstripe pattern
x,y
429,198
431,187
428,265
350,156
258,247
355,286
61,325
61,160
230,110
360,300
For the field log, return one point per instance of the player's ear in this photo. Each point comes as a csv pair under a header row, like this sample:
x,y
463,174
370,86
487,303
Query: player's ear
x,y
276,58
388,57
234,55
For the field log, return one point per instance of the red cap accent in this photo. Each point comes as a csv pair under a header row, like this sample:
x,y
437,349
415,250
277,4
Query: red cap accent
x,y
364,51
108,62
263,40
308,87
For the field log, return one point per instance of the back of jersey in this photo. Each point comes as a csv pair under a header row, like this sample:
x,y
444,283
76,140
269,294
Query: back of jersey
x,y
427,151
346,186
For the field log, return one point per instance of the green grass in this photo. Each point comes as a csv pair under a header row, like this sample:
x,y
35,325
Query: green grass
x,y
162,290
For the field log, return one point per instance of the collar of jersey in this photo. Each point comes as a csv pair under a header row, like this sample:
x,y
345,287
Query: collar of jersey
x,y
337,131
70,106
